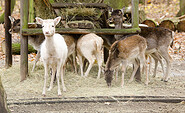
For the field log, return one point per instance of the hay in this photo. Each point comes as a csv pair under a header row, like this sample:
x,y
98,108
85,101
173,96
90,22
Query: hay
x,y
78,86
79,11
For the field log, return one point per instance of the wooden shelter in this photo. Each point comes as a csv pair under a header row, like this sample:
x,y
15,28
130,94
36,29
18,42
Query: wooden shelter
x,y
25,31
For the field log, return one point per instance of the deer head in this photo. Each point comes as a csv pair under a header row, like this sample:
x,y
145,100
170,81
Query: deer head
x,y
15,25
48,26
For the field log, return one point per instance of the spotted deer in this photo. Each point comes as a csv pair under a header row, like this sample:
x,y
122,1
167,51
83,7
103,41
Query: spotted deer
x,y
36,41
158,41
90,46
131,49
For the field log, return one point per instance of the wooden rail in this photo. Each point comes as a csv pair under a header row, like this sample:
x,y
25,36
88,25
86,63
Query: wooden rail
x,y
38,31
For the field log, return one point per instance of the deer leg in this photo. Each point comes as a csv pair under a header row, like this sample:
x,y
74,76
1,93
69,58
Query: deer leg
x,y
62,77
164,53
144,65
155,69
46,67
74,62
91,61
80,63
99,58
136,65
157,58
36,60
123,69
57,76
52,78
117,71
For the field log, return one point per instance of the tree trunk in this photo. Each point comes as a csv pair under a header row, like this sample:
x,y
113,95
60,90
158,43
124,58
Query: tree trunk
x,y
182,8
3,101
12,7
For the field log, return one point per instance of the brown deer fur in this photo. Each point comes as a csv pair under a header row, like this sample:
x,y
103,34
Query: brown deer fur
x,y
130,49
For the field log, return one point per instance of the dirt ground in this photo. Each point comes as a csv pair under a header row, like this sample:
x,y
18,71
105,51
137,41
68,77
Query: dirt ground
x,y
78,86
121,107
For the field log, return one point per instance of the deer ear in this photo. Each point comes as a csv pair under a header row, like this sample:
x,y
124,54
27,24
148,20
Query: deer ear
x,y
39,20
57,20
12,19
122,10
110,9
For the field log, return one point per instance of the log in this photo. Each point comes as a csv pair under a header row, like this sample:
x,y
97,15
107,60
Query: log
x,y
181,26
16,48
150,23
168,24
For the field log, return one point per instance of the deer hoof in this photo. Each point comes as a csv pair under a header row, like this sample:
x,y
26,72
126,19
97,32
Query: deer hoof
x,y
64,89
59,93
43,94
165,80
49,89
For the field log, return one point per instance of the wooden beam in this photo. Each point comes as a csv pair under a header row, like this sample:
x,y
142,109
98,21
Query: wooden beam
x,y
38,31
24,40
91,5
8,36
135,24
135,13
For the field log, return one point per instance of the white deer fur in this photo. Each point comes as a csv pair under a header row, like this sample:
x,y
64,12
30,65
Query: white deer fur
x,y
53,52
90,46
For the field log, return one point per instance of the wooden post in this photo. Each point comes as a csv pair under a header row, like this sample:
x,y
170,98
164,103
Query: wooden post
x,y
24,40
135,24
8,36
135,14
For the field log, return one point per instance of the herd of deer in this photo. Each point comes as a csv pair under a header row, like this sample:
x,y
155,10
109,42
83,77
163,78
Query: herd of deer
x,y
54,50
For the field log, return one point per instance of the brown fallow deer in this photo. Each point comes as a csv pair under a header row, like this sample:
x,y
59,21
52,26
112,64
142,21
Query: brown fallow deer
x,y
158,41
36,41
90,47
130,49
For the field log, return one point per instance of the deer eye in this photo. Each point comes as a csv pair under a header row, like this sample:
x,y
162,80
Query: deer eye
x,y
52,26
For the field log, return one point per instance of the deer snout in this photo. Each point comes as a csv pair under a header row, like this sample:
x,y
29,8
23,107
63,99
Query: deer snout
x,y
109,84
47,32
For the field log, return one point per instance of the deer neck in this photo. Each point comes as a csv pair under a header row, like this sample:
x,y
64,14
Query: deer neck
x,y
118,26
50,44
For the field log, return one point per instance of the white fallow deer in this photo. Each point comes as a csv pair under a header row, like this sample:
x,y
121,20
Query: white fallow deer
x,y
130,49
90,46
53,52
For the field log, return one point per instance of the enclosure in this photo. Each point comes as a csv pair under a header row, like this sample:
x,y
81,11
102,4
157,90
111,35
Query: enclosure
x,y
88,94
